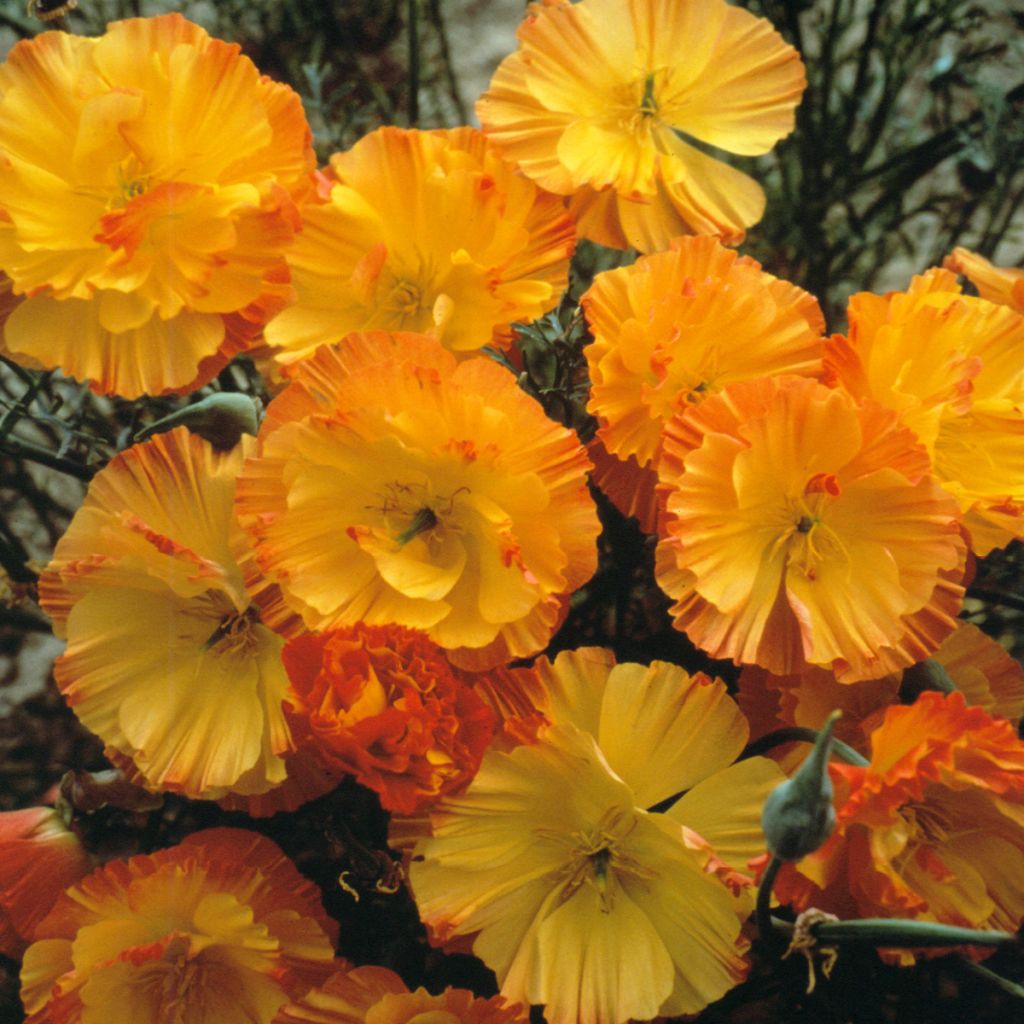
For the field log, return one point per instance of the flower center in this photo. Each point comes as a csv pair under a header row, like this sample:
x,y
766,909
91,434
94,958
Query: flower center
x,y
414,510
648,103
236,633
404,299
809,539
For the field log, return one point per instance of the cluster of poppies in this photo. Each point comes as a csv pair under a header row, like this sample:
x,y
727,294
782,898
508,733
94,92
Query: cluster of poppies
x,y
367,586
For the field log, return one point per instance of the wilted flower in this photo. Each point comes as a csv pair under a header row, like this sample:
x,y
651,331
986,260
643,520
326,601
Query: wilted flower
x,y
424,231
599,100
163,633
221,929
361,994
931,829
576,895
394,484
39,858
805,528
952,366
384,704
148,190
676,327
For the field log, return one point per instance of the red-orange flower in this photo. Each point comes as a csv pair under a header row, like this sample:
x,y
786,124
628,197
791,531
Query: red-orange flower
x,y
394,484
932,829
39,858
384,704
805,528
148,190
424,231
363,994
602,98
221,929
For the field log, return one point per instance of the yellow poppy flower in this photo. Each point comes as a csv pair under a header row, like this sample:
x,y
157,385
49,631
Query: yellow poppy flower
x,y
610,102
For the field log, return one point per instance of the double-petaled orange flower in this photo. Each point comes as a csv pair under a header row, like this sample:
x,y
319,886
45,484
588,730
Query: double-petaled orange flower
x,y
163,634
221,929
424,231
384,704
931,829
148,191
573,892
675,328
805,528
952,366
394,484
610,102
361,994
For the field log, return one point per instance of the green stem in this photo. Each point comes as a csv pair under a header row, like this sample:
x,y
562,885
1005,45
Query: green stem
x,y
767,926
799,734
33,453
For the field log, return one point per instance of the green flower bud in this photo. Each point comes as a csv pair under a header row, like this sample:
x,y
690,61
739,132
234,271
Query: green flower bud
x,y
220,418
798,815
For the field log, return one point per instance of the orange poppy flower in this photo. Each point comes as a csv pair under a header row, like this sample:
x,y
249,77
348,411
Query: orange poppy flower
x,y
931,829
39,858
396,485
600,98
572,892
148,190
360,994
804,528
1001,285
221,929
951,366
146,586
676,327
424,231
384,704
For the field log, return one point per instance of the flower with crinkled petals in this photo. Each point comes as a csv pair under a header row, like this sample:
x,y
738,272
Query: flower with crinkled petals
x,y
430,232
361,994
803,528
576,895
163,634
601,97
931,829
148,188
676,327
221,929
39,858
952,367
384,704
394,484
1001,285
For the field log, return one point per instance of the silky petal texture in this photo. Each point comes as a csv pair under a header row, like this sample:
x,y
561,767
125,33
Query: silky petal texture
x,y
389,490
590,104
177,170
950,365
927,828
359,994
424,231
223,922
511,860
802,528
1002,285
678,326
160,624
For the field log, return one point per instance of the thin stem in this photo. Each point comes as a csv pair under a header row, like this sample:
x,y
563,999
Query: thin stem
x,y
1010,987
765,923
33,453
799,734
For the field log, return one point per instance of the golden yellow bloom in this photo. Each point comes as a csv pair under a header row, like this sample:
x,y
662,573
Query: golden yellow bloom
x,y
396,485
1001,285
676,327
221,929
424,231
575,894
360,994
598,102
147,194
167,661
805,528
953,367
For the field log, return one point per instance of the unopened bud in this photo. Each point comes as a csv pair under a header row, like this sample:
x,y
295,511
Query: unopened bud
x,y
798,815
221,419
